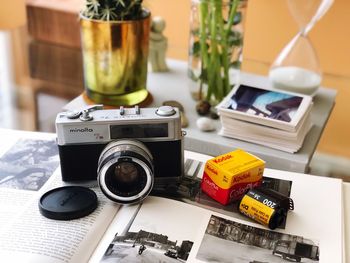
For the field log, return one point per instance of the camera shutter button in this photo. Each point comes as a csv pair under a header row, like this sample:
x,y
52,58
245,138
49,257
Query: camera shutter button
x,y
165,111
85,116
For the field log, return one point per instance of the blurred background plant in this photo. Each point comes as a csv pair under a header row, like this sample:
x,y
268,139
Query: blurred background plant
x,y
216,41
113,9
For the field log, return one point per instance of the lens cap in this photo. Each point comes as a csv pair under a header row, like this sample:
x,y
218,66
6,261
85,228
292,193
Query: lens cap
x,y
68,202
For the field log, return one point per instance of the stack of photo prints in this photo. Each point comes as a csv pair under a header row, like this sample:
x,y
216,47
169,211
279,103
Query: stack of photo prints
x,y
276,119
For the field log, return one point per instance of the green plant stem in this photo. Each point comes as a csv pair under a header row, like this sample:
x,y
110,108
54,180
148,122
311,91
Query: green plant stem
x,y
218,82
214,55
225,34
224,69
217,22
231,18
214,35
203,13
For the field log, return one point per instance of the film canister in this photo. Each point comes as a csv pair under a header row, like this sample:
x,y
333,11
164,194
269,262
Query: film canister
x,y
266,206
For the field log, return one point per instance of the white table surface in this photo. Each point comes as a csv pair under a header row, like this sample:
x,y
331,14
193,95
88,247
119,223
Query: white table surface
x,y
173,85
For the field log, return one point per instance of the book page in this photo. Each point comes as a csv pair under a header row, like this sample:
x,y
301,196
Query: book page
x,y
159,224
164,230
191,228
220,234
29,166
31,237
318,211
27,161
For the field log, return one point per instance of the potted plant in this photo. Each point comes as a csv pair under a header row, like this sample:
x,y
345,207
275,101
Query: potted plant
x,y
114,38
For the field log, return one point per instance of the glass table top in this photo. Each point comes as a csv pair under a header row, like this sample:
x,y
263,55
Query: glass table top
x,y
36,80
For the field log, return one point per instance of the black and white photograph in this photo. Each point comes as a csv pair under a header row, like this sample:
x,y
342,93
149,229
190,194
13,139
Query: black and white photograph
x,y
144,246
28,164
155,233
228,241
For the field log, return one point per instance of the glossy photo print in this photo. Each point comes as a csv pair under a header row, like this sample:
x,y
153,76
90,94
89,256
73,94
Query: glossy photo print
x,y
265,103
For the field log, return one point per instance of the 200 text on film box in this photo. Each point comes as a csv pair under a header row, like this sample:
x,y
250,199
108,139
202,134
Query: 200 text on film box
x,y
227,177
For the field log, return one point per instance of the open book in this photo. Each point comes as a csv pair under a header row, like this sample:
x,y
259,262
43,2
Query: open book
x,y
184,226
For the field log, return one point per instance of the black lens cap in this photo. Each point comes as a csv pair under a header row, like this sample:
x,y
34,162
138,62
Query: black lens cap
x,y
68,202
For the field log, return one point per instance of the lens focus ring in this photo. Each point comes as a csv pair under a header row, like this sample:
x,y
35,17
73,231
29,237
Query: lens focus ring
x,y
125,171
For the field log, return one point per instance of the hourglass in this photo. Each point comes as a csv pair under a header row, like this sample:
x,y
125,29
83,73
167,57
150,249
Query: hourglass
x,y
297,68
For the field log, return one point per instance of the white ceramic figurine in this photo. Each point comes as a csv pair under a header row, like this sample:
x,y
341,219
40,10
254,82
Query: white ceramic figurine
x,y
158,45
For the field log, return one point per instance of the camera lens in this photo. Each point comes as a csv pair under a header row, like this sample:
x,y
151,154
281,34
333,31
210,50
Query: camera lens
x,y
126,178
125,171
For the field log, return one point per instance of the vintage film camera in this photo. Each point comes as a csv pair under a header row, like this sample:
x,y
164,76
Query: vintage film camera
x,y
129,151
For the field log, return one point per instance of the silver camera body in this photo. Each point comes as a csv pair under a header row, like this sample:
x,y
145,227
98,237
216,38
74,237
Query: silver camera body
x,y
129,151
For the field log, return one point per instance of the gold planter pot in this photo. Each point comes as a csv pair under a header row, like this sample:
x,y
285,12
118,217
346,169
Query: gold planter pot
x,y
115,57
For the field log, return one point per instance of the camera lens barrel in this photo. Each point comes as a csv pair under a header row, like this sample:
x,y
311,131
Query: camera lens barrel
x,y
125,171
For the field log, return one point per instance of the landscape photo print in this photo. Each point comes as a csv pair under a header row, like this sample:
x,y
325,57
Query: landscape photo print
x,y
155,233
229,241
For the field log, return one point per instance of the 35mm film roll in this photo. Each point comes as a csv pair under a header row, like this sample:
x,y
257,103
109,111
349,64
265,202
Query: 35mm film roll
x,y
266,206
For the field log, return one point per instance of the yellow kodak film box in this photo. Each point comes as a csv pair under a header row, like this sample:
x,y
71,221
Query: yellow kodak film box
x,y
227,177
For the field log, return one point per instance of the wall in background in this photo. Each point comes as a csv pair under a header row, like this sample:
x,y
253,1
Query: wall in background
x,y
177,16
269,27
